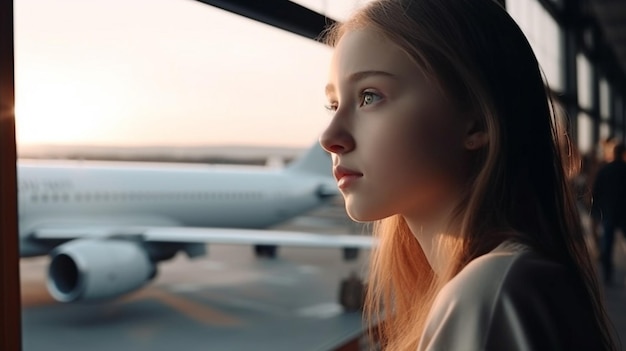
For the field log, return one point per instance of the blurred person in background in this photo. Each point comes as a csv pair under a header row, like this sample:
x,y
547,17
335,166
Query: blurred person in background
x,y
609,206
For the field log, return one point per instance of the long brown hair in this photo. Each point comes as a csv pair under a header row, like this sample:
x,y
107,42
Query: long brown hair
x,y
479,58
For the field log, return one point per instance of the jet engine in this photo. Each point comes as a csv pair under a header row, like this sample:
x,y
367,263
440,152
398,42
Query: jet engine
x,y
90,269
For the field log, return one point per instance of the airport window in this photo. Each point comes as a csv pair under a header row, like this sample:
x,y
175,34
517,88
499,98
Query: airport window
x,y
605,130
34,198
168,72
545,37
605,99
585,132
583,67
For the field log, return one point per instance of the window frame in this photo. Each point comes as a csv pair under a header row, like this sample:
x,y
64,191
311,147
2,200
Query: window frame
x,y
10,306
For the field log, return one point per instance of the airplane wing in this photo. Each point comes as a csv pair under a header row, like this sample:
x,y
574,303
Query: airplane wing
x,y
206,235
95,262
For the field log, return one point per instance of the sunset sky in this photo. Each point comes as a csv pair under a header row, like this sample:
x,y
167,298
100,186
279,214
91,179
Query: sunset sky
x,y
165,72
179,72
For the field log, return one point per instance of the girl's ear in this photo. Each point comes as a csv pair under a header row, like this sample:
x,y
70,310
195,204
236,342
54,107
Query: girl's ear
x,y
476,136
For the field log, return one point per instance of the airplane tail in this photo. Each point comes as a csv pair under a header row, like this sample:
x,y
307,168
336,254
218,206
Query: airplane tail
x,y
314,161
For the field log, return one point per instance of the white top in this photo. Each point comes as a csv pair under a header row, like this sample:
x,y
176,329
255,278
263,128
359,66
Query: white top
x,y
511,299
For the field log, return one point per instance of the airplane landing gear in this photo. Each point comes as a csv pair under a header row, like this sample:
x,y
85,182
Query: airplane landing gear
x,y
350,253
352,293
268,251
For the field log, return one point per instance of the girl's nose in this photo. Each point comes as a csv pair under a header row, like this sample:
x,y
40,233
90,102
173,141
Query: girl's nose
x,y
336,138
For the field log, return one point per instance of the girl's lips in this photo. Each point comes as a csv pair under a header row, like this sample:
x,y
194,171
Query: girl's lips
x,y
345,176
347,180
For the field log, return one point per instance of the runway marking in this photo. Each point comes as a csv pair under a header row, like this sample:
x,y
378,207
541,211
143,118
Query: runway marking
x,y
35,294
185,288
190,309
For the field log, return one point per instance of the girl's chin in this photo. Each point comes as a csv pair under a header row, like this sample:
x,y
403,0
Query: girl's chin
x,y
364,215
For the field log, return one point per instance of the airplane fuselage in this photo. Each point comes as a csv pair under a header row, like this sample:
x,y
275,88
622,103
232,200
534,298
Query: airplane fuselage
x,y
102,193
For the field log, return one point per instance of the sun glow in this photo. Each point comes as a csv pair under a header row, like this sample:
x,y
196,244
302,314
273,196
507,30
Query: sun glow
x,y
162,72
62,106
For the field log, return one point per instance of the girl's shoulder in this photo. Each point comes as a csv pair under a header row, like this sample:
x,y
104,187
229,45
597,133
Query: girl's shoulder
x,y
509,296
510,268
510,265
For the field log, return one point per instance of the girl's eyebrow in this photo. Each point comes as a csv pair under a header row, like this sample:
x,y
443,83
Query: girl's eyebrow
x,y
357,76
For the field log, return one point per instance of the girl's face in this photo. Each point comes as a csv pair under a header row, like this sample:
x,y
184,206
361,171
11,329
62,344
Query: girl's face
x,y
397,146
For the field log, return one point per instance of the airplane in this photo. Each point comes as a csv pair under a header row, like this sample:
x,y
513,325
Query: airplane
x,y
107,225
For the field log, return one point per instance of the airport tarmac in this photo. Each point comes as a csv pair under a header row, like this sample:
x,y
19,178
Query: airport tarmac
x,y
229,300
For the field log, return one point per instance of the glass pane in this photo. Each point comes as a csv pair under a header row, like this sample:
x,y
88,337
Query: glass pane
x,y
585,133
544,35
605,99
583,67
175,73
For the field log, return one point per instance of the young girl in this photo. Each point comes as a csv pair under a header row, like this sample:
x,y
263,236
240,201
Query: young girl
x,y
443,133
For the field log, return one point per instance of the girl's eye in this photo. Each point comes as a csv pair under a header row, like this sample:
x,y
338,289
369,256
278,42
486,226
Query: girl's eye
x,y
368,98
